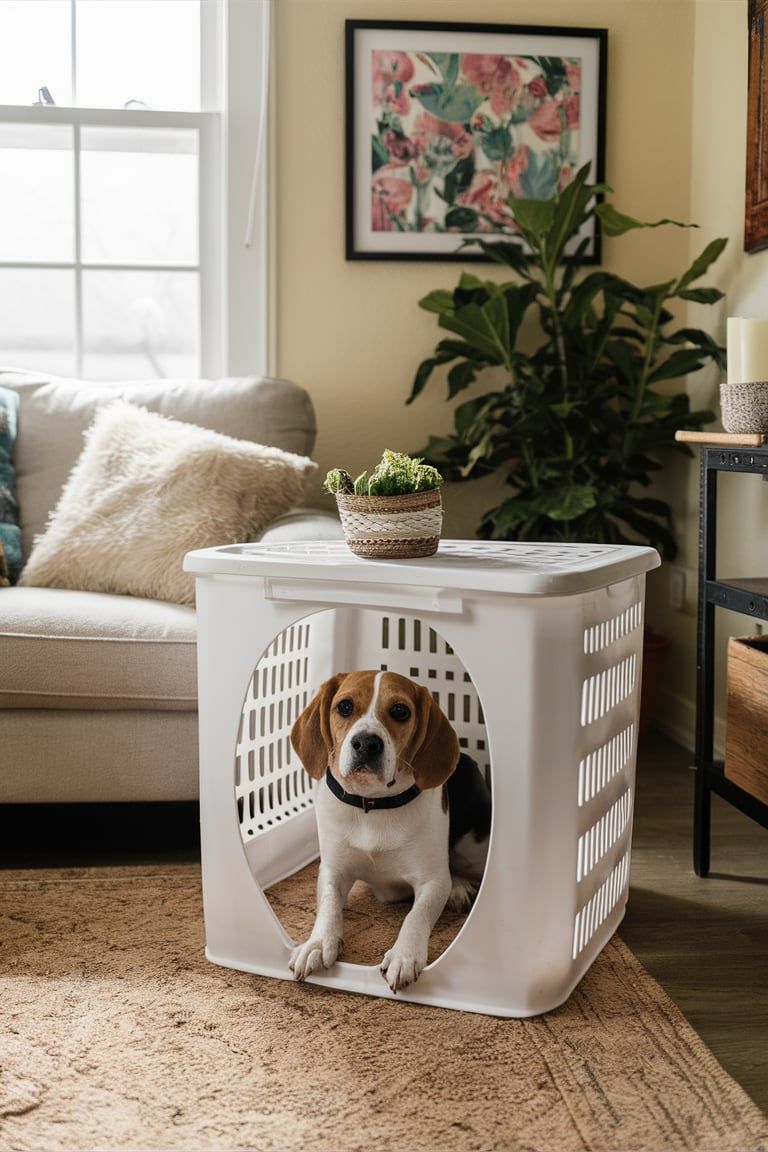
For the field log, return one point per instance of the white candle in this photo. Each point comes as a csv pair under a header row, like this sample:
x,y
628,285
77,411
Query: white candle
x,y
753,364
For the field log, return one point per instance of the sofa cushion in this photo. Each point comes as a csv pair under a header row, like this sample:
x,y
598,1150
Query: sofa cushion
x,y
147,490
54,413
88,650
10,533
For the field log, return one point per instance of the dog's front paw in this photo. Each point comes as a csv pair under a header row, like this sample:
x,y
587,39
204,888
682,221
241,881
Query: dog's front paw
x,y
400,968
321,952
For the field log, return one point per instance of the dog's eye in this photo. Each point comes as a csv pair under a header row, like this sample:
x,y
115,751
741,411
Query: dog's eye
x,y
400,712
345,707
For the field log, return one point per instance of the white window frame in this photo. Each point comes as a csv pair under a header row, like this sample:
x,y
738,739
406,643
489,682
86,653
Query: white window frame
x,y
234,269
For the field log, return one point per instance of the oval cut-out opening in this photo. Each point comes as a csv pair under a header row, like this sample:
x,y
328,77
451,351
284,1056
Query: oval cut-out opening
x,y
273,793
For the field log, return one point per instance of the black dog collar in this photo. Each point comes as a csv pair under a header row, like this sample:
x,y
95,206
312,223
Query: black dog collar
x,y
369,802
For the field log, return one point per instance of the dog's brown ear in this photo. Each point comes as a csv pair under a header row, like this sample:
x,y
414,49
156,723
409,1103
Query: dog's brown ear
x,y
436,745
311,734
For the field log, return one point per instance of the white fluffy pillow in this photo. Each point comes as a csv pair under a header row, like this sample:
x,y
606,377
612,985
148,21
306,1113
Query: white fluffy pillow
x,y
145,491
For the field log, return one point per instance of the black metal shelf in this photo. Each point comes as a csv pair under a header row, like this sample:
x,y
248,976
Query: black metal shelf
x,y
747,595
719,783
740,594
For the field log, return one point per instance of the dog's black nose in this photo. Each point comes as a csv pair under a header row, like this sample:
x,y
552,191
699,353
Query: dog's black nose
x,y
367,746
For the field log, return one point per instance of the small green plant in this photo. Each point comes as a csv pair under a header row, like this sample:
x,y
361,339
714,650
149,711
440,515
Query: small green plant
x,y
395,475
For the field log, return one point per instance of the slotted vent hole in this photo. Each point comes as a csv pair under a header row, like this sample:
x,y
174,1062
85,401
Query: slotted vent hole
x,y
603,834
597,909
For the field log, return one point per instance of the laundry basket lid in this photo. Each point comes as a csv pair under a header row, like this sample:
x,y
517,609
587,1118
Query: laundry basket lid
x,y
488,566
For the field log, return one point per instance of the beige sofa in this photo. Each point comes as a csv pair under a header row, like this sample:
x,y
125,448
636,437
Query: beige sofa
x,y
98,696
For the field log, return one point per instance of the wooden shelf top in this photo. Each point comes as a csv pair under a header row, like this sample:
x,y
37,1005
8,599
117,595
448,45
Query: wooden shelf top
x,y
736,439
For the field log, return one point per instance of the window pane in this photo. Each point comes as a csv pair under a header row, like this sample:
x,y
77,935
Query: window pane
x,y
37,319
140,324
139,195
36,192
149,52
35,50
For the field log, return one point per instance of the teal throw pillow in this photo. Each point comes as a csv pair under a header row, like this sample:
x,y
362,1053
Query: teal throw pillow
x,y
10,533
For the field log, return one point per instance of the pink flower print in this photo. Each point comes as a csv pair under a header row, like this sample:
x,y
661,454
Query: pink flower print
x,y
565,176
487,196
573,71
571,108
548,121
389,198
496,77
538,88
439,143
391,73
514,170
400,148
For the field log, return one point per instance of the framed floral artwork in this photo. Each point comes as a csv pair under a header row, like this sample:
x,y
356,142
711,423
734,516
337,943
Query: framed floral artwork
x,y
445,121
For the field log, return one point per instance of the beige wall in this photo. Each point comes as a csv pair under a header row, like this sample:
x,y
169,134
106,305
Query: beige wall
x,y
352,333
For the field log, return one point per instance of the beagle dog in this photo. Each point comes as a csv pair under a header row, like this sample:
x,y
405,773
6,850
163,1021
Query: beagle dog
x,y
398,806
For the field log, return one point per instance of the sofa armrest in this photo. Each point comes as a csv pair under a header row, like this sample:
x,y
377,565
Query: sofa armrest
x,y
303,524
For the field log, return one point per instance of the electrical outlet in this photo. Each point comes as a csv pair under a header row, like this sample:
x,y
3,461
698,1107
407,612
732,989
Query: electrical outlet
x,y
677,589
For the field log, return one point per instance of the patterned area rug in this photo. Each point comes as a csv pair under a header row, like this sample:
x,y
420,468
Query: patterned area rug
x,y
117,1033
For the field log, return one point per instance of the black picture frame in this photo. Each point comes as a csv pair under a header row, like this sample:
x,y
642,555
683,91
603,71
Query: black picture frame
x,y
383,222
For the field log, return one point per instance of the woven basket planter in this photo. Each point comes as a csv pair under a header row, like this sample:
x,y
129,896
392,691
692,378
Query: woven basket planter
x,y
392,527
744,407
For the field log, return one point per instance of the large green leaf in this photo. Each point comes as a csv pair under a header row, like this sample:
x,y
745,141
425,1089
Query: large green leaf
x,y
511,254
678,364
565,504
486,328
461,376
518,300
702,295
701,263
570,212
617,223
424,371
534,216
441,300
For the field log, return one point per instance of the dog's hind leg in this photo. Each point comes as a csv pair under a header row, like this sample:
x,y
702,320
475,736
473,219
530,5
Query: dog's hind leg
x,y
463,892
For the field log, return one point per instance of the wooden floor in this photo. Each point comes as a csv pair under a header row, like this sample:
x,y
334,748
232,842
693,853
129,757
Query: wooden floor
x,y
705,941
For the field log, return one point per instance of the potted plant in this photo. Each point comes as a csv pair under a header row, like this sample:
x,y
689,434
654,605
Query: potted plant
x,y
578,423
394,512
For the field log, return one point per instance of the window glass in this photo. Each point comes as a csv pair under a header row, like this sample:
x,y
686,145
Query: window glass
x,y
35,50
36,192
134,50
139,195
140,324
37,319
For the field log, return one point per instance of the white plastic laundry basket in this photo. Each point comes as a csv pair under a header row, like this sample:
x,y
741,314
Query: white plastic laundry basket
x,y
533,651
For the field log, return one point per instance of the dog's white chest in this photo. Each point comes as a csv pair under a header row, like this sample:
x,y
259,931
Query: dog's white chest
x,y
389,845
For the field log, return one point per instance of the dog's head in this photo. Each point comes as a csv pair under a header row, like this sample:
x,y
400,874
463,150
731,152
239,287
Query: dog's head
x,y
378,732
